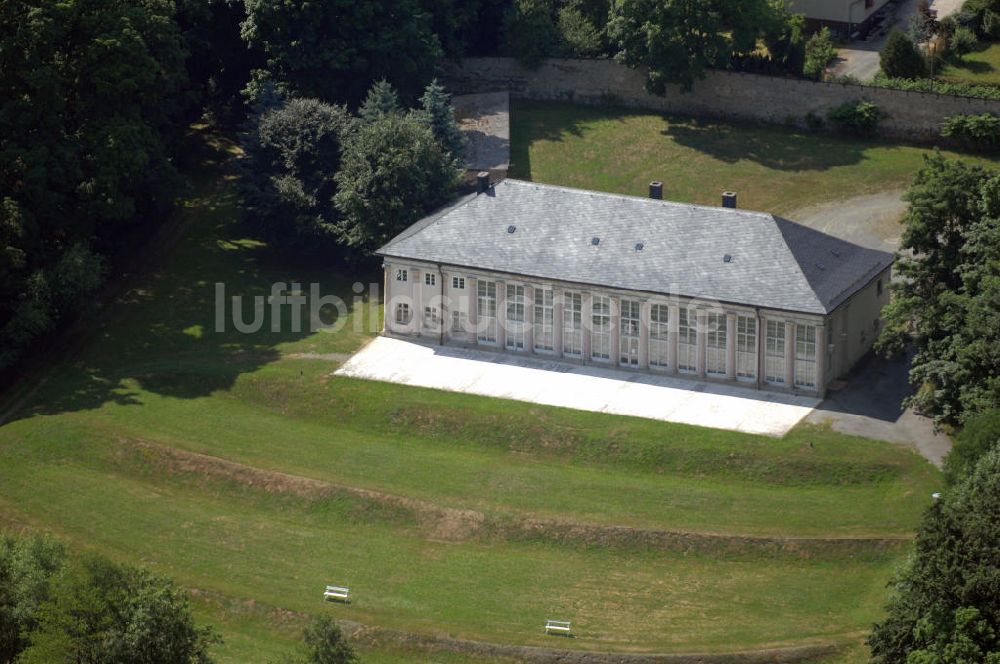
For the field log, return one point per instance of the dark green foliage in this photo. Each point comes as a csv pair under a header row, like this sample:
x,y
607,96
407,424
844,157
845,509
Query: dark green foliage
x,y
900,57
91,611
380,100
980,132
579,36
455,23
858,117
293,152
980,16
786,42
945,605
327,644
220,62
394,172
27,565
333,51
529,32
99,612
819,52
680,40
948,302
92,101
980,434
436,104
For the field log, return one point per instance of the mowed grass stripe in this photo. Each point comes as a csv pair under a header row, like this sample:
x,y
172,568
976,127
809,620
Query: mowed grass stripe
x,y
449,524
458,470
282,552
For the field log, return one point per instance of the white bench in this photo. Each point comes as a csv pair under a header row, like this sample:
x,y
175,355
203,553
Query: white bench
x,y
338,593
557,626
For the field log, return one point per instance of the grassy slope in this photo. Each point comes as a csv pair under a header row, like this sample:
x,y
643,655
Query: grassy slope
x,y
155,371
773,169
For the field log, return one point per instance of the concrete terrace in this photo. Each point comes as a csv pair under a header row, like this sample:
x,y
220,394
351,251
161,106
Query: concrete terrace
x,y
554,383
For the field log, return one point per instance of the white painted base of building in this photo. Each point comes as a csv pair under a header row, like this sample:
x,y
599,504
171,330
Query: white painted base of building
x,y
536,380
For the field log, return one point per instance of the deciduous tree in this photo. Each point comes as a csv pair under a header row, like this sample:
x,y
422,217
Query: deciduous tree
x,y
333,51
944,607
678,40
393,172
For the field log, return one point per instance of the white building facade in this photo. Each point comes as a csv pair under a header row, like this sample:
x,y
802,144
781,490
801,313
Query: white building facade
x,y
664,332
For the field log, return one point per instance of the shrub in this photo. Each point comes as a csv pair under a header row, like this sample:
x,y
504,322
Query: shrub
x,y
901,59
962,41
980,434
980,17
977,131
813,121
860,117
819,52
936,87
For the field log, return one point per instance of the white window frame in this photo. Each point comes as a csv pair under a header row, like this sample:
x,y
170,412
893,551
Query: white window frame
x,y
687,341
746,347
544,321
401,274
600,328
486,300
659,336
430,279
630,323
458,283
774,352
515,321
805,356
572,324
431,318
402,316
716,338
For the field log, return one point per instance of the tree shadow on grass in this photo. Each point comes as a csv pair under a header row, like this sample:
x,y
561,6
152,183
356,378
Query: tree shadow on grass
x,y
777,148
780,148
973,66
532,121
162,333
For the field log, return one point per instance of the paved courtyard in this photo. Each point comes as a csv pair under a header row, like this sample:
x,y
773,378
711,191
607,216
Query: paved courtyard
x,y
484,119
552,383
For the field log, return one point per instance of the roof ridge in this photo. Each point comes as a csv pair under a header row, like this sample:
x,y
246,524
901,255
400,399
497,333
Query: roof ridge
x,y
636,197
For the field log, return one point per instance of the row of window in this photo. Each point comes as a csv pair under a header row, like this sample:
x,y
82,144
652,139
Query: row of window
x,y
716,342
430,279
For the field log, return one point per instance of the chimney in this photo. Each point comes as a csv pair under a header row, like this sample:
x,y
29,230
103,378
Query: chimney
x,y
482,182
656,190
729,199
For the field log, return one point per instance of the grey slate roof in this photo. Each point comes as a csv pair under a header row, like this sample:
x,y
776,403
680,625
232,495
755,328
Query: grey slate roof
x,y
775,263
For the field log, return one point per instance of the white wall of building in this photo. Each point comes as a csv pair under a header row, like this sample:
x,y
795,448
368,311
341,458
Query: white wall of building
x,y
836,11
856,323
641,331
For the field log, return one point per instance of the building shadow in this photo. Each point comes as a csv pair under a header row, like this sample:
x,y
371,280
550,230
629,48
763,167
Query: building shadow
x,y
876,388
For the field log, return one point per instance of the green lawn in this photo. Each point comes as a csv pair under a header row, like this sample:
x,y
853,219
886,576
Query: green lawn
x,y
982,66
85,456
774,169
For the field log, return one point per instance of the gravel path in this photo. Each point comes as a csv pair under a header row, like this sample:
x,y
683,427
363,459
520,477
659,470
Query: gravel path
x,y
872,221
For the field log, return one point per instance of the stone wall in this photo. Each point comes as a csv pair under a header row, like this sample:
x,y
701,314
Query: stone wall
x,y
723,94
